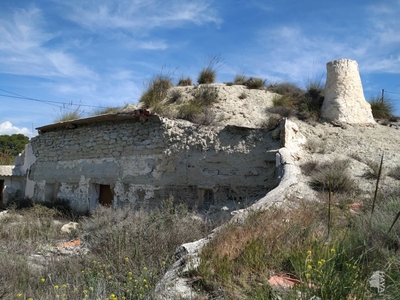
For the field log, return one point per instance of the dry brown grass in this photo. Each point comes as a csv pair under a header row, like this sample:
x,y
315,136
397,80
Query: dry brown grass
x,y
126,249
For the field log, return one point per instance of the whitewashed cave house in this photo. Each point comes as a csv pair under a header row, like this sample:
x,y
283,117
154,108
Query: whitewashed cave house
x,y
139,159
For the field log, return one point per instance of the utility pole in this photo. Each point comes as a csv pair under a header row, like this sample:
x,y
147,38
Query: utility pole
x,y
383,95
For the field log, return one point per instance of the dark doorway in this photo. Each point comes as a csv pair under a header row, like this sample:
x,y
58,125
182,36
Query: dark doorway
x,y
106,196
208,198
1,191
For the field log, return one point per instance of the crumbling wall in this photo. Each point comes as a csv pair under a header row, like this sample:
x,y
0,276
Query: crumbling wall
x,y
145,162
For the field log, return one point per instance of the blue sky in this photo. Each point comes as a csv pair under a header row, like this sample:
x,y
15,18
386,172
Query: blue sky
x,y
102,52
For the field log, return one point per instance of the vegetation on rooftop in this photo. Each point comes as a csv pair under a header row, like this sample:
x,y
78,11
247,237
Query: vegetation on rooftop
x,y
208,73
69,112
156,91
293,101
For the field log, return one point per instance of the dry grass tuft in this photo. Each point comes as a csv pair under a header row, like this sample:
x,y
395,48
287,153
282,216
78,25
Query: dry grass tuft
x,y
128,251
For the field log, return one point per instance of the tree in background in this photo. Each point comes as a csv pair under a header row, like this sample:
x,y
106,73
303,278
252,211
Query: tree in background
x,y
11,146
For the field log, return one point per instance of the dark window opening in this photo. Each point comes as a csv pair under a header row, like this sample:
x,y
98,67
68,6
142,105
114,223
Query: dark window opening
x,y
1,191
208,198
106,196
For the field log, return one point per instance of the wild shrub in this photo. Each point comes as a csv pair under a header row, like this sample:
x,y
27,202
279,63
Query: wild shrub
x,y
288,89
285,112
310,105
106,110
196,109
255,83
272,122
333,176
69,113
205,95
185,81
304,104
190,110
175,95
381,109
316,145
309,167
395,172
285,101
295,241
240,79
129,251
243,95
156,91
205,117
372,170
208,74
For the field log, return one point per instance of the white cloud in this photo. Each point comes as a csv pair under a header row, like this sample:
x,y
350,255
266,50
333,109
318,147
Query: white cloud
x,y
140,14
8,128
23,50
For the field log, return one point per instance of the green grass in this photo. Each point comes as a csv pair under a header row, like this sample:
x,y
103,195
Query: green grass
x,y
304,104
333,175
255,83
206,76
190,111
195,110
185,81
205,95
335,265
157,90
106,110
208,73
381,109
69,113
240,79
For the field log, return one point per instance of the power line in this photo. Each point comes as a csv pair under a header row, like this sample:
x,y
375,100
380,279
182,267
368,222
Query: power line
x,y
392,92
17,96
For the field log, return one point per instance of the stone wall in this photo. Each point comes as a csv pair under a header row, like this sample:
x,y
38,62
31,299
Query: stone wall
x,y
146,161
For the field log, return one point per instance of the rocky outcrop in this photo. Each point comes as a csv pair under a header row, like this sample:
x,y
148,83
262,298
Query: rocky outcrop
x,y
344,96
